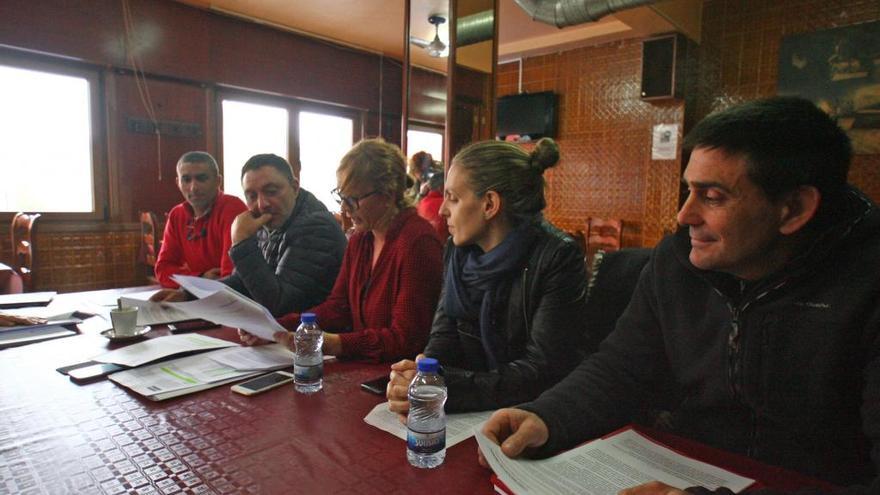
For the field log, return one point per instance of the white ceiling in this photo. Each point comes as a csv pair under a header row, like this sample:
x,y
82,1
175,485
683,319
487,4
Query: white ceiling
x,y
377,25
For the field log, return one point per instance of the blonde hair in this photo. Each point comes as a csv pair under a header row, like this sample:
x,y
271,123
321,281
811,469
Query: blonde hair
x,y
516,175
378,163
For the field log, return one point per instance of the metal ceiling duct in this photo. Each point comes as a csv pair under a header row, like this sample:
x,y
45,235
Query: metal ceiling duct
x,y
561,13
475,28
472,29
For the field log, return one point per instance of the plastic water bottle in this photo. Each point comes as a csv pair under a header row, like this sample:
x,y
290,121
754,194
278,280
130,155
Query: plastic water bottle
x,y
426,421
308,360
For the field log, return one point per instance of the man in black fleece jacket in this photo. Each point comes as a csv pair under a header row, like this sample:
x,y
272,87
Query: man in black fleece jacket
x,y
761,315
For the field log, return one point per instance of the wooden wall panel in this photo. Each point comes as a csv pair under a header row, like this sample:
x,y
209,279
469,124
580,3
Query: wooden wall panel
x,y
144,166
604,136
740,51
74,261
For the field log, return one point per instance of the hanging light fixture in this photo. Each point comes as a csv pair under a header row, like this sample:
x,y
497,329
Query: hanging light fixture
x,y
435,48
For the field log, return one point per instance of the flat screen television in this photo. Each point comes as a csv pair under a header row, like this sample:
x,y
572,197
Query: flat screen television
x,y
527,116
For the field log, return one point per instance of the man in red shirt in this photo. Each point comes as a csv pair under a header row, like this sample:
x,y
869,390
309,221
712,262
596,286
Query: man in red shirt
x,y
197,234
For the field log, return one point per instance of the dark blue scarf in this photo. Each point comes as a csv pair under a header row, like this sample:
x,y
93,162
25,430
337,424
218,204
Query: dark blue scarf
x,y
473,282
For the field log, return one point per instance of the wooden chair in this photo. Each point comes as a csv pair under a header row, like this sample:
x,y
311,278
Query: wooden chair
x,y
604,234
151,237
22,234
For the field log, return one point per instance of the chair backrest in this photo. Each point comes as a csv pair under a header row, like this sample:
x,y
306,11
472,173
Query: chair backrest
x,y
150,241
150,237
22,234
612,281
604,234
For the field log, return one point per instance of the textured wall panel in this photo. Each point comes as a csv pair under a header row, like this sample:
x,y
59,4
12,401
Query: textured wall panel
x,y
605,168
70,262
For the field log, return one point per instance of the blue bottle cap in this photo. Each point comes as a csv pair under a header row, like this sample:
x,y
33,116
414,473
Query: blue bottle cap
x,y
428,365
307,317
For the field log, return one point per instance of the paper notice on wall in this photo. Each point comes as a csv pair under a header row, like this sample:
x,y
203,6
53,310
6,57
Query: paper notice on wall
x,y
665,142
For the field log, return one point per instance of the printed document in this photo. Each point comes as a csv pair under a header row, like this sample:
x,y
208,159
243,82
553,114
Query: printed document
x,y
262,357
216,302
459,427
603,466
159,347
178,377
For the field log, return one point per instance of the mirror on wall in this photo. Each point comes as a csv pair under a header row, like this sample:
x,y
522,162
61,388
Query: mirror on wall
x,y
449,78
424,104
473,57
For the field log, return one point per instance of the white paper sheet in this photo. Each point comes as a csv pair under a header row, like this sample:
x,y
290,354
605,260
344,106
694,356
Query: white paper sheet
x,y
459,427
178,376
262,357
606,466
153,313
159,347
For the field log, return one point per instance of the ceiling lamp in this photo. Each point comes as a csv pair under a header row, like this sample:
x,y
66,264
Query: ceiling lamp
x,y
436,47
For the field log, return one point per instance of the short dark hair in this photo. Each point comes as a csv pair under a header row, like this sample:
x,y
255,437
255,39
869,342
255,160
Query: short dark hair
x,y
200,157
787,142
268,160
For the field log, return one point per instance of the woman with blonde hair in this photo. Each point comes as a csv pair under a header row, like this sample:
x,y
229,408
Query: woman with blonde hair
x,y
381,305
509,322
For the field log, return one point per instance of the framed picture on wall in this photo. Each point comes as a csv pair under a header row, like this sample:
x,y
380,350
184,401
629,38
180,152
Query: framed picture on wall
x,y
839,70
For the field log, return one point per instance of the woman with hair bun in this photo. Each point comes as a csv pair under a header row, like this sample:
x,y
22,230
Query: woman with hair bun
x,y
509,321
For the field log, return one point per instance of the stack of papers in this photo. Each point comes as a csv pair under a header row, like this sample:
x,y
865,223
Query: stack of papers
x,y
622,460
26,299
216,302
190,374
160,347
27,334
459,427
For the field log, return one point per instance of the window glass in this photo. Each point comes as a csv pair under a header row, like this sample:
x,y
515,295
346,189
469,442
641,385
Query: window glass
x,y
429,141
324,140
45,142
250,129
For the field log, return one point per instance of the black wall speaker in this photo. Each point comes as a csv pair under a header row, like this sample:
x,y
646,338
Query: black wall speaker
x,y
662,67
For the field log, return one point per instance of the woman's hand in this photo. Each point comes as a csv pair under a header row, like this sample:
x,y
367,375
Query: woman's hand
x,y
251,339
402,374
8,320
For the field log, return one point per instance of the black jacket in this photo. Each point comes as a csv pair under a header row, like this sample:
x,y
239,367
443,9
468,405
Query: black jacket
x,y
786,370
541,325
303,266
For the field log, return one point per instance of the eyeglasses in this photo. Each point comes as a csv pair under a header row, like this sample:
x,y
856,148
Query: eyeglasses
x,y
352,202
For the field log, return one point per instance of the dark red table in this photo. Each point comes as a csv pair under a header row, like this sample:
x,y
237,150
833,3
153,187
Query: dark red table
x,y
60,437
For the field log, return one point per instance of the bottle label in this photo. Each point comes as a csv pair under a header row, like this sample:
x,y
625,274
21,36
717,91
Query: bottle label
x,y
426,443
308,374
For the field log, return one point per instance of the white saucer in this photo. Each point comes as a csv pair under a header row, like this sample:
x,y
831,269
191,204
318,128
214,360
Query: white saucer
x,y
138,333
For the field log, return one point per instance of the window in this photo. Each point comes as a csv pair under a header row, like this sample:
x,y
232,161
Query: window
x,y
424,140
324,140
46,136
250,129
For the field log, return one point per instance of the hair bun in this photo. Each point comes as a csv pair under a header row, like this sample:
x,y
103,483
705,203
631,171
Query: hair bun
x,y
545,154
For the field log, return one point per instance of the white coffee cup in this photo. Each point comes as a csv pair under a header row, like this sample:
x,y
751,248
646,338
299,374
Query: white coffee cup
x,y
124,320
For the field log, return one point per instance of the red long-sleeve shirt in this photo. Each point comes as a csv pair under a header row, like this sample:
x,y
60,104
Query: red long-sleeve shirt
x,y
193,246
383,313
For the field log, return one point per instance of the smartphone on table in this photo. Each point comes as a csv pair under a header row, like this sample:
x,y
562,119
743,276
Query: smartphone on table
x,y
377,386
262,383
191,326
93,372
